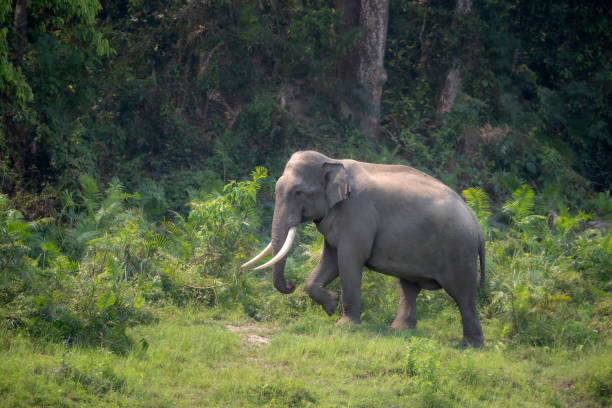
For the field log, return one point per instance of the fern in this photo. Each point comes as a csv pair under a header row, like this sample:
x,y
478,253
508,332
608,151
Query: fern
x,y
259,173
89,187
478,201
89,194
520,207
565,222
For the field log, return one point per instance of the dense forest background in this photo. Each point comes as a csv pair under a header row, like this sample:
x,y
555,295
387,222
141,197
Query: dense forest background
x,y
139,145
171,94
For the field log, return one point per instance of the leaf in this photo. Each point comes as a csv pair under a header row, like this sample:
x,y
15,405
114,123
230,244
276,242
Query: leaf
x,y
478,201
139,301
89,185
106,300
521,205
50,247
260,173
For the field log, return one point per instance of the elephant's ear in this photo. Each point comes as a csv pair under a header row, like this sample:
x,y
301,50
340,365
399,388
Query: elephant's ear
x,y
336,183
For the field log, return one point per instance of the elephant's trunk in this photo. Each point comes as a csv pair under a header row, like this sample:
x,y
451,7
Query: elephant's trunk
x,y
279,236
279,278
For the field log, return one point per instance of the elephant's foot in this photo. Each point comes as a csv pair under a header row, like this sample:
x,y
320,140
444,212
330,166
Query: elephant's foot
x,y
345,319
476,342
332,304
401,324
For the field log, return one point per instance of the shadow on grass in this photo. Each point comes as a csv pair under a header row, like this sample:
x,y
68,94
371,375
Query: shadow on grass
x,y
72,331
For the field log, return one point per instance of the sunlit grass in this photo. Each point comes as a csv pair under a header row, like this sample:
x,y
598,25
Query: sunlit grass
x,y
190,358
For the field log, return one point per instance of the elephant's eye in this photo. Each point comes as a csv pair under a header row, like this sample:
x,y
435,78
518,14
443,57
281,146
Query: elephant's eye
x,y
299,193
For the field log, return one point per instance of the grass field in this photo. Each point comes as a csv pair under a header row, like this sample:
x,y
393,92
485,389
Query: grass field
x,y
192,357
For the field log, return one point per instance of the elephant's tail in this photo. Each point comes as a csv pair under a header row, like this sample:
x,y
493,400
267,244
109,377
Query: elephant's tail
x,y
481,254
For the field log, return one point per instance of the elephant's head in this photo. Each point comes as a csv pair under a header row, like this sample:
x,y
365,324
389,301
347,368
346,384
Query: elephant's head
x,y
311,185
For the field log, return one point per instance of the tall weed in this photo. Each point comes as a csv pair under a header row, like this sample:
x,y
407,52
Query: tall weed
x,y
546,282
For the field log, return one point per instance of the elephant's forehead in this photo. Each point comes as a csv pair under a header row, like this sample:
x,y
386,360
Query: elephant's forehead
x,y
293,177
284,183
289,178
309,156
295,169
301,161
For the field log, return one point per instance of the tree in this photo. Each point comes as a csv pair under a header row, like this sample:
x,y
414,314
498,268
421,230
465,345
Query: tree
x,y
363,67
30,30
453,79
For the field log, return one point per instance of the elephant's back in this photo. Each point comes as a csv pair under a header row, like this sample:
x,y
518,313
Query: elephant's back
x,y
410,202
423,226
397,180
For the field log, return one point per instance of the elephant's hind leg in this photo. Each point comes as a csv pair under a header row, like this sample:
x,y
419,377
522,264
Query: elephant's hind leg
x,y
406,311
472,331
325,272
466,301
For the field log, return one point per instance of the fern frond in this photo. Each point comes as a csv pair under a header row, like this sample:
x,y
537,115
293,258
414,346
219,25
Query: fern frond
x,y
259,173
89,186
521,205
478,201
532,220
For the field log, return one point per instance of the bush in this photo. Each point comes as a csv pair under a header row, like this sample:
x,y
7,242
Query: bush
x,y
84,301
86,276
205,249
545,281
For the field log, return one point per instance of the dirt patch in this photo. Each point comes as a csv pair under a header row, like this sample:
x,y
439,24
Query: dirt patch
x,y
246,328
247,333
256,339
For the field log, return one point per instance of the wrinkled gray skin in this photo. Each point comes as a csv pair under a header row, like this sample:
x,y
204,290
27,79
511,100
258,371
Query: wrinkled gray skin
x,y
393,219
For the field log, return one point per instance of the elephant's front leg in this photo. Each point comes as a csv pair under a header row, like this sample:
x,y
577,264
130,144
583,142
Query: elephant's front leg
x,y
350,266
406,311
325,272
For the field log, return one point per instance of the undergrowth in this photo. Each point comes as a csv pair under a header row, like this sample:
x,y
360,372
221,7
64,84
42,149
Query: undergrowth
x,y
111,299
102,263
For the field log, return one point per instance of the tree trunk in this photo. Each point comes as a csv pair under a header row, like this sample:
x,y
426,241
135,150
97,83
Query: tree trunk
x,y
21,29
452,83
372,75
364,67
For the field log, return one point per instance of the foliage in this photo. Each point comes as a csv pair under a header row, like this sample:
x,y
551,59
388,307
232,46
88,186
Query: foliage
x,y
560,66
205,249
178,98
166,91
548,282
51,295
15,235
478,201
87,279
46,61
520,207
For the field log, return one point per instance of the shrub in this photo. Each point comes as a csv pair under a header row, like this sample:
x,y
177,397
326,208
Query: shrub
x,y
88,300
205,248
85,278
544,283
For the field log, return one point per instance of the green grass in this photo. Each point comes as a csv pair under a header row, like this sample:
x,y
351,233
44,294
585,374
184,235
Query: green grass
x,y
190,358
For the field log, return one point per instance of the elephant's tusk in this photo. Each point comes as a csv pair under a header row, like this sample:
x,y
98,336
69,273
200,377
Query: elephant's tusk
x,y
257,257
286,247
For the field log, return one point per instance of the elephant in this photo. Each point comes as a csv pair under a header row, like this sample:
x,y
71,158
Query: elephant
x,y
393,219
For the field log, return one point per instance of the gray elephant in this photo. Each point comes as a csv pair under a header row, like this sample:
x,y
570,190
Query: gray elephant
x,y
393,219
